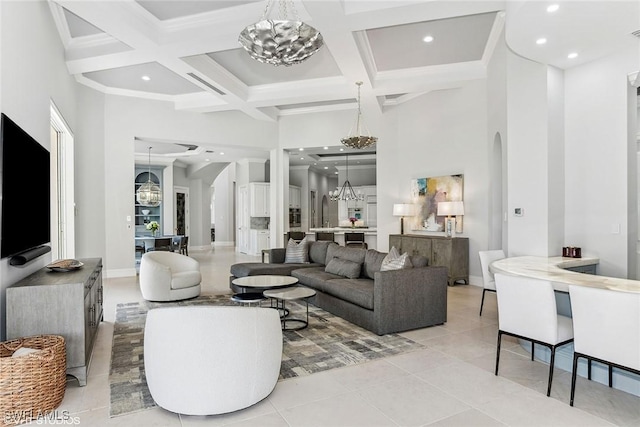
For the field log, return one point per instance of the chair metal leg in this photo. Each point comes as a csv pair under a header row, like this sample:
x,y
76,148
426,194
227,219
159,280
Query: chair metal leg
x,y
610,376
551,363
482,302
574,373
533,350
589,369
498,351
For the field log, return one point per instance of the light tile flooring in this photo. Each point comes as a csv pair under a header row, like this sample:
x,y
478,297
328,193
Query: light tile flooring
x,y
450,383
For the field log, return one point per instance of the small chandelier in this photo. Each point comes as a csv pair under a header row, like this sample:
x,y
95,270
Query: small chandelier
x,y
346,193
359,140
149,193
280,41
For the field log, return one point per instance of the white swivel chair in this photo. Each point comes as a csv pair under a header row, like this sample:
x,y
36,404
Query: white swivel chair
x,y
207,360
168,276
607,329
489,282
527,310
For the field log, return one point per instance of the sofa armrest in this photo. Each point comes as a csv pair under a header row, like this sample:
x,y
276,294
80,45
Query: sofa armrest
x,y
410,298
277,255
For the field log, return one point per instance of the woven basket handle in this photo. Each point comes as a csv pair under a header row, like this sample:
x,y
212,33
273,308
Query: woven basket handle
x,y
18,345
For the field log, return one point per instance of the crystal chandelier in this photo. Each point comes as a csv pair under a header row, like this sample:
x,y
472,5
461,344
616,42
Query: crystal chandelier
x,y
280,41
149,193
347,192
358,140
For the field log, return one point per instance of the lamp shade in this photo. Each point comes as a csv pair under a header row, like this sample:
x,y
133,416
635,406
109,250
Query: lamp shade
x,y
450,208
403,209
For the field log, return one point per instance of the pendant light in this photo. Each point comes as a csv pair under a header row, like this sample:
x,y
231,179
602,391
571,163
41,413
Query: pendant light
x,y
346,193
149,193
358,140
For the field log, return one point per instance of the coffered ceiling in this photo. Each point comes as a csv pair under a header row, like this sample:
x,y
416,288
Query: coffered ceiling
x,y
190,55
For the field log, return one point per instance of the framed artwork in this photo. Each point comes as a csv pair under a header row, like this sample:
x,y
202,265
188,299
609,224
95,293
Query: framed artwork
x,y
426,193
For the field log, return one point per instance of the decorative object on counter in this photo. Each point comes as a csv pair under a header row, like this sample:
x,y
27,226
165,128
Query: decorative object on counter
x,y
149,193
450,209
145,211
402,210
353,220
347,192
280,41
571,252
153,226
358,140
63,265
426,193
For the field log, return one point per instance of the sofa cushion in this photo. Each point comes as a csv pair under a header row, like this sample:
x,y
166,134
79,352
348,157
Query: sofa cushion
x,y
185,279
244,269
372,263
355,291
318,251
344,267
297,252
350,254
395,261
315,278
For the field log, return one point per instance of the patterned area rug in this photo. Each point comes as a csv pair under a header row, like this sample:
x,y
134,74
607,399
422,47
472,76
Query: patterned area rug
x,y
329,342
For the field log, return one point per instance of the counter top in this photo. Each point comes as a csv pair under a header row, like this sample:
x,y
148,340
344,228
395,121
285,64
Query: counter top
x,y
366,230
553,269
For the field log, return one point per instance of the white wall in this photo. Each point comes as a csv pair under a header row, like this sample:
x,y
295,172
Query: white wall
x,y
224,209
597,149
32,73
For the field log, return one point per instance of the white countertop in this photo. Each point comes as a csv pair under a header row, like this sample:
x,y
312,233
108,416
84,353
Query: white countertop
x,y
552,269
371,230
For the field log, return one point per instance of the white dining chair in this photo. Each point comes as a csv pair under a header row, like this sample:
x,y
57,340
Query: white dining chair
x,y
607,330
488,281
527,310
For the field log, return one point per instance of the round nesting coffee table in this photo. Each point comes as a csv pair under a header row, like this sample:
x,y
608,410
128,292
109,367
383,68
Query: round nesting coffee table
x,y
291,294
252,287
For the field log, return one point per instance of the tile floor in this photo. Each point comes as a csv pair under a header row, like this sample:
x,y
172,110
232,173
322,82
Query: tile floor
x,y
450,383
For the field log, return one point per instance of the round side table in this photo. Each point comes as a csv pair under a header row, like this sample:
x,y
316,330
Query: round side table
x,y
281,296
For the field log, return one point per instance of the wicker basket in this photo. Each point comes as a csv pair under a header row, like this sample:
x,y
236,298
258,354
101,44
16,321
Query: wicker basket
x,y
34,384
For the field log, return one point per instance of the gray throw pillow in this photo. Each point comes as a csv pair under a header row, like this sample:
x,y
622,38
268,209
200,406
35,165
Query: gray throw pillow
x,y
318,251
344,267
373,262
297,253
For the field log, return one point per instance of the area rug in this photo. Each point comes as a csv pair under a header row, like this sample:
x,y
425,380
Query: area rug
x,y
329,342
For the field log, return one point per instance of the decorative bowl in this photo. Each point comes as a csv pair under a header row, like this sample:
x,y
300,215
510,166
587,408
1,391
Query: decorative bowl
x,y
145,211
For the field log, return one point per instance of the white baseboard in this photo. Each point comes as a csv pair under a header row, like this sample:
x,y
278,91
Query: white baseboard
x,y
121,272
476,281
217,243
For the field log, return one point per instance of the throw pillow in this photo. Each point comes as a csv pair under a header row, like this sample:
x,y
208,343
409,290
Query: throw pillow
x,y
344,267
297,253
395,261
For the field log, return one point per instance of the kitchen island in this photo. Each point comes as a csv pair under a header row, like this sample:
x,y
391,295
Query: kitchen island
x,y
370,234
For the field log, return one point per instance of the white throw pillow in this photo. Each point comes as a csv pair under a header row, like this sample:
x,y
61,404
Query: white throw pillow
x,y
395,261
297,252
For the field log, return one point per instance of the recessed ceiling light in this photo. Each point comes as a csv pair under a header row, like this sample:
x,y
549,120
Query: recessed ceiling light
x,y
572,55
146,78
326,167
342,149
301,158
300,149
335,173
553,7
541,40
428,39
222,153
207,160
325,148
315,164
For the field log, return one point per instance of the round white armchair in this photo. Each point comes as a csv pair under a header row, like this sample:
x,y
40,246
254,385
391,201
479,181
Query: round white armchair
x,y
168,276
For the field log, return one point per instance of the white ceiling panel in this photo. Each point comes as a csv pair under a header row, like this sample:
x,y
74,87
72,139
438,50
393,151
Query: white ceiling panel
x,y
78,27
164,10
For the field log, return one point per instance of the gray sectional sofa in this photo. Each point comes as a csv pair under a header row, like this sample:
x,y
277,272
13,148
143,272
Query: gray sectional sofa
x,y
380,301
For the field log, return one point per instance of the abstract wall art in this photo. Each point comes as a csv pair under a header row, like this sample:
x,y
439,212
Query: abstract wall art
x,y
426,193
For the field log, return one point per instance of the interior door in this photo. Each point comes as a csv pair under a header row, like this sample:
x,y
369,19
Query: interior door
x,y
181,205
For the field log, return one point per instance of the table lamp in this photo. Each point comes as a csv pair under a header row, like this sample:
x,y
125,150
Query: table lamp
x,y
402,210
450,209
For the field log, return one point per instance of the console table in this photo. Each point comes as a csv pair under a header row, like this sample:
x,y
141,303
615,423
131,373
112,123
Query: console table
x,y
450,252
60,303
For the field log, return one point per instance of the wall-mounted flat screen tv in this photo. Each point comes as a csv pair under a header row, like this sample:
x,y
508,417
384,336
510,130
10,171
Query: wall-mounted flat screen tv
x,y
25,190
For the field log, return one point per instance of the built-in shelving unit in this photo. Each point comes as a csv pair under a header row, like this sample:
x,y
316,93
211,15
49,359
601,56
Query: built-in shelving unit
x,y
145,214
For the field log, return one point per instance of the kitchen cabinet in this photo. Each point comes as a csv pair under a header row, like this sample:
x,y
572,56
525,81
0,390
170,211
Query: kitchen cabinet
x,y
295,196
259,240
60,303
450,252
259,199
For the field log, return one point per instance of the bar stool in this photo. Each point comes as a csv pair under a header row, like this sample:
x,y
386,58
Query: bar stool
x,y
354,239
325,235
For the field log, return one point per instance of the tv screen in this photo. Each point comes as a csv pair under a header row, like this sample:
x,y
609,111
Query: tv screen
x,y
25,190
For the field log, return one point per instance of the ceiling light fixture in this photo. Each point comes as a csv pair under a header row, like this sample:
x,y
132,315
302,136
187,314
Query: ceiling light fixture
x,y
149,193
280,41
346,192
553,7
541,40
359,140
572,55
146,78
428,39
